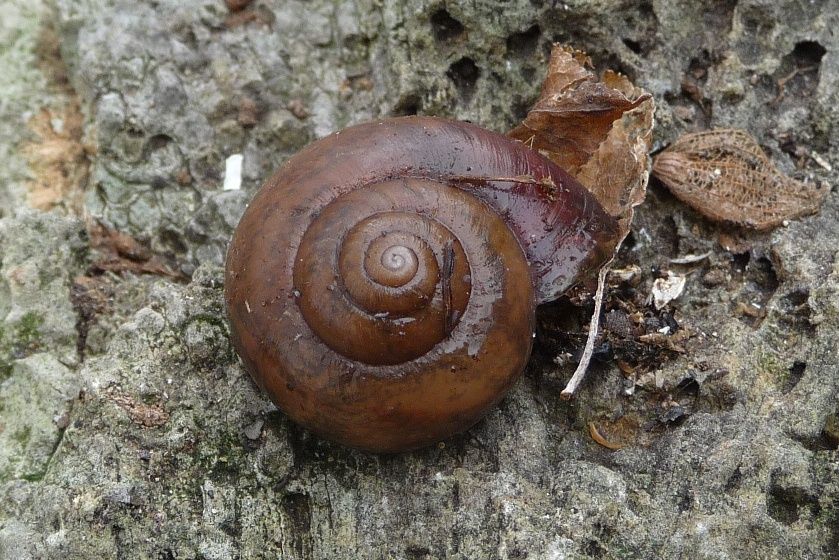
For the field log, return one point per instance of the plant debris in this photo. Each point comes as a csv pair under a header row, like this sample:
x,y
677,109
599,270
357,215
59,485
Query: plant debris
x,y
146,415
599,130
668,288
691,259
588,350
598,437
119,252
725,175
634,334
618,433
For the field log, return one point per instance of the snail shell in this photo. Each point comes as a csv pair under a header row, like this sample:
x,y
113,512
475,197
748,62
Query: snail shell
x,y
381,286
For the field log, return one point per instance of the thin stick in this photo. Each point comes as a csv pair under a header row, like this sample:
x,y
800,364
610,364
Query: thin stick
x,y
593,327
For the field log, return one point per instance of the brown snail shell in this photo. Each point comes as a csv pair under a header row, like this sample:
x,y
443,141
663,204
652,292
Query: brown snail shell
x,y
381,286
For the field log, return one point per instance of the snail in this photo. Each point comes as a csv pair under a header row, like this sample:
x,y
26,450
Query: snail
x,y
381,287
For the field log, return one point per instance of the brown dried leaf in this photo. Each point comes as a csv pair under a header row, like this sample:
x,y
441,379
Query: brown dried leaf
x,y
597,130
623,432
119,252
725,175
618,172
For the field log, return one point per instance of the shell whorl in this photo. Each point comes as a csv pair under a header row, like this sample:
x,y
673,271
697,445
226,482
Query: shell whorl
x,y
400,278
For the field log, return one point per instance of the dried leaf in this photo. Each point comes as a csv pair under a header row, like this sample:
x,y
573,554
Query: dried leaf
x,y
617,434
119,252
618,172
725,175
574,112
597,130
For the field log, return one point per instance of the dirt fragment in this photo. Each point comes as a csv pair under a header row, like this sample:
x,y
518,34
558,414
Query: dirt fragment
x,y
671,342
146,415
236,5
250,111
246,15
57,158
56,154
298,108
91,296
715,277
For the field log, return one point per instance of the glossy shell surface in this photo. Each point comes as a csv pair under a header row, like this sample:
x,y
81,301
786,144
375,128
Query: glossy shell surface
x,y
381,286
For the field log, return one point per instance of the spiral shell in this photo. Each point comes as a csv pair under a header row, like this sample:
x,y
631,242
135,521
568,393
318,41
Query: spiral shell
x,y
381,287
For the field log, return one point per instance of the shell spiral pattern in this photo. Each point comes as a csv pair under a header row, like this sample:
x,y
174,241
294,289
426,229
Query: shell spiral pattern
x,y
382,286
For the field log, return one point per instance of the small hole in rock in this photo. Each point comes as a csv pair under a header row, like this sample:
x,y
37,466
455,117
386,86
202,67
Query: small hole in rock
x,y
786,504
796,297
415,552
444,26
464,73
796,372
798,76
687,387
523,44
632,45
739,261
173,241
595,549
686,500
409,105
808,53
733,482
158,142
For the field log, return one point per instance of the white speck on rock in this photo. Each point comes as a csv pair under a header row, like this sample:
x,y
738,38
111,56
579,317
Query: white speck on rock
x,y
233,173
667,289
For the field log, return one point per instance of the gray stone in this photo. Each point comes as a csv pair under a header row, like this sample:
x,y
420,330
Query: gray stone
x,y
38,392
153,442
42,253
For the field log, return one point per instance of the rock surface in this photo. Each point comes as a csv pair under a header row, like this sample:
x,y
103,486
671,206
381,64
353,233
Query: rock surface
x,y
128,427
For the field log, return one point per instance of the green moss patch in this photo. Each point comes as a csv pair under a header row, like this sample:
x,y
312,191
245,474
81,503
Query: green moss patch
x,y
19,340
